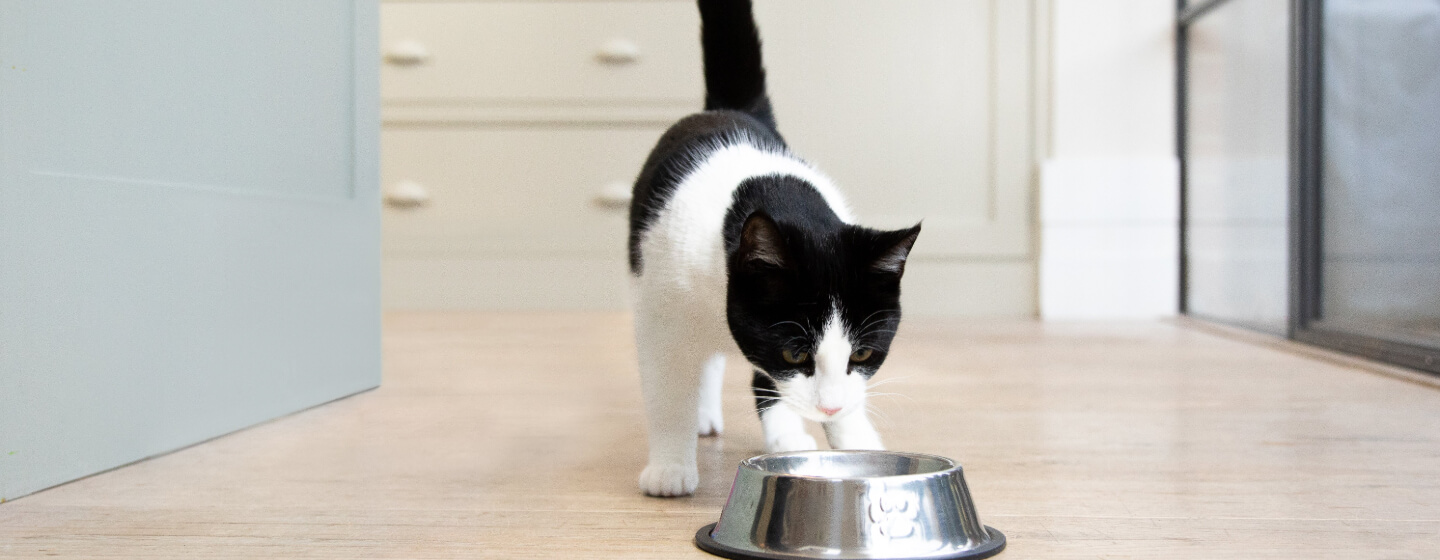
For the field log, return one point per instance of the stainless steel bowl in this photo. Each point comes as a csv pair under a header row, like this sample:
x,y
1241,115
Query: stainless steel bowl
x,y
849,505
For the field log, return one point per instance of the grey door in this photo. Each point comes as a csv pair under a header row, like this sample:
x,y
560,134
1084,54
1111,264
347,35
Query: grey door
x,y
189,223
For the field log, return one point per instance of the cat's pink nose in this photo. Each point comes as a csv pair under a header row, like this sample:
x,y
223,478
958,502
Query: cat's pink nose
x,y
830,411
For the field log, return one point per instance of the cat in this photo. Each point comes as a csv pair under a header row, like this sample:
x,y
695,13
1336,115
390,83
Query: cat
x,y
739,246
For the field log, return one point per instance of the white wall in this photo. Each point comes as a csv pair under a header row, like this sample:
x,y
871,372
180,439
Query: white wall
x,y
1109,183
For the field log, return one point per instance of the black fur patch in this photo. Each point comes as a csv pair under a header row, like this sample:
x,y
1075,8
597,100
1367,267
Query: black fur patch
x,y
734,73
791,261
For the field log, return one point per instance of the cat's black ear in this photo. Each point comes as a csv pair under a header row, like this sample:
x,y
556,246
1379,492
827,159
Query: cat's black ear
x,y
761,242
893,248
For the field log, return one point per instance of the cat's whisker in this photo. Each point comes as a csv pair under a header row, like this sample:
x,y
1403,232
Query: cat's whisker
x,y
866,323
902,396
793,339
874,384
890,395
866,331
802,327
879,415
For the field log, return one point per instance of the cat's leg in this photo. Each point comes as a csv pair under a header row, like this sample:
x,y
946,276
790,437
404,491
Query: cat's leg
x,y
670,370
712,379
853,431
784,429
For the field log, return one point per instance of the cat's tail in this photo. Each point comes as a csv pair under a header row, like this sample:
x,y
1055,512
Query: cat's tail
x,y
734,74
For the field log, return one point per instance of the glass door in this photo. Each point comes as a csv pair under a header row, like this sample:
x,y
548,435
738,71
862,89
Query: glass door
x,y
1310,155
1369,93
1234,149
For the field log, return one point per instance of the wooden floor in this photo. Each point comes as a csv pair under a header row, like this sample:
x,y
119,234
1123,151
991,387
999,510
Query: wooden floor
x,y
520,436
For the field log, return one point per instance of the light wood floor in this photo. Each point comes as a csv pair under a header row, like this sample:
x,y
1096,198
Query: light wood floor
x,y
520,436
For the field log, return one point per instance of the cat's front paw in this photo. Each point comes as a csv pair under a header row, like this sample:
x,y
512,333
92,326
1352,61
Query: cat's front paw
x,y
853,432
791,442
669,479
711,423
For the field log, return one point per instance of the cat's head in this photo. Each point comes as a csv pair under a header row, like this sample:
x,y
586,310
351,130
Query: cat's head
x,y
816,310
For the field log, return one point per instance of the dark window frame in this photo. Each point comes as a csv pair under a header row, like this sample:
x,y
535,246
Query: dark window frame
x,y
1305,189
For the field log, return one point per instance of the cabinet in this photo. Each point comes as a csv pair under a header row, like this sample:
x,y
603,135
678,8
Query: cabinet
x,y
509,126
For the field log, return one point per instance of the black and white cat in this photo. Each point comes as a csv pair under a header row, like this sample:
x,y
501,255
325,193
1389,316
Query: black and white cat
x,y
736,244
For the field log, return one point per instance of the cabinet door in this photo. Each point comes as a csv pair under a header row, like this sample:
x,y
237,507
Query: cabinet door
x,y
920,110
189,223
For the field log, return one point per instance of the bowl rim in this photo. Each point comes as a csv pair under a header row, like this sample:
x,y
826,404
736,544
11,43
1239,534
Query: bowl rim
x,y
993,543
952,467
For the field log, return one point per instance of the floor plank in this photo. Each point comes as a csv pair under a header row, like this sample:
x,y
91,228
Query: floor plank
x,y
519,435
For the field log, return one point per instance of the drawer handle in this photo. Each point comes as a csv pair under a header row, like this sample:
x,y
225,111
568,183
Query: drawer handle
x,y
615,195
407,53
407,194
618,51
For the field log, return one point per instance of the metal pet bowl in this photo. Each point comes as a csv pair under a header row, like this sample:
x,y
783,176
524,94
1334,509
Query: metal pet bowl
x,y
849,505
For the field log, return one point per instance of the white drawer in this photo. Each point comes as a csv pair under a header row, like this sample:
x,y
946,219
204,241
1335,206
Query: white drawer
x,y
541,52
528,192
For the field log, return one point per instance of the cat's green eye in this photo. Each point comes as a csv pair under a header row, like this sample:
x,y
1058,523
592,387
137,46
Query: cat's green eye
x,y
796,357
862,355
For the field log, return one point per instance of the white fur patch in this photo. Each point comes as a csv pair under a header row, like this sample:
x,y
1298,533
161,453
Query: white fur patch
x,y
832,387
685,244
785,431
680,322
832,364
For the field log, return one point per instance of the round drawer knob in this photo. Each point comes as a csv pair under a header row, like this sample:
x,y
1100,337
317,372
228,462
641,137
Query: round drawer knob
x,y
407,194
614,195
618,51
407,53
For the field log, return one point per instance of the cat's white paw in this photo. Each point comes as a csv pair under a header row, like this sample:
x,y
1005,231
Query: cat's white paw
x,y
853,432
669,479
791,442
711,423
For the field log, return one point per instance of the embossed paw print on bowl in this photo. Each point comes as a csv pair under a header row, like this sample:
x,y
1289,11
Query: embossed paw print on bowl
x,y
849,505
893,515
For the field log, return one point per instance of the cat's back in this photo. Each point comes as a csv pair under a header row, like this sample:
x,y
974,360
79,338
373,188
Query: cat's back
x,y
682,153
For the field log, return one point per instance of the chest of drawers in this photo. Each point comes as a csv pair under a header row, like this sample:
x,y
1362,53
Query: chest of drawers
x,y
514,128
